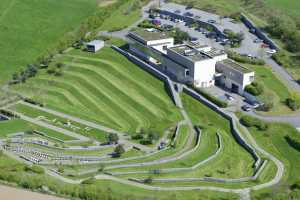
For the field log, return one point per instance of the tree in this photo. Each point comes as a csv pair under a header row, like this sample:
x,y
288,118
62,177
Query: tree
x,y
113,138
119,150
153,135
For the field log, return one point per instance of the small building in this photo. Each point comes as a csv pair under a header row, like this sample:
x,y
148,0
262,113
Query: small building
x,y
233,75
94,45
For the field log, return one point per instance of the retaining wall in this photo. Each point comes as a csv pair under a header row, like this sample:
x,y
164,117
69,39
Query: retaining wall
x,y
154,72
259,33
233,125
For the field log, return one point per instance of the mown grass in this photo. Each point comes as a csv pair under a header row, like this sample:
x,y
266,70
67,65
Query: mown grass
x,y
22,41
237,161
61,122
107,88
18,125
274,90
273,141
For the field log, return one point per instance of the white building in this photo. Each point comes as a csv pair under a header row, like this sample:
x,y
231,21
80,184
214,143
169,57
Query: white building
x,y
94,45
150,44
234,76
200,65
190,65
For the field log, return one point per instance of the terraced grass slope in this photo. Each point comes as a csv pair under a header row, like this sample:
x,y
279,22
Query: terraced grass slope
x,y
106,88
28,28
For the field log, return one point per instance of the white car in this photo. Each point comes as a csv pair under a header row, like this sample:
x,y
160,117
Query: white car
x,y
271,51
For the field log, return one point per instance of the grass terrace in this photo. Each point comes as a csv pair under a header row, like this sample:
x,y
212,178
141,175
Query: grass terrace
x,y
105,88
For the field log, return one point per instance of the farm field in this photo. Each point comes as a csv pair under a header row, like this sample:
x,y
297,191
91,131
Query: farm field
x,y
106,88
28,29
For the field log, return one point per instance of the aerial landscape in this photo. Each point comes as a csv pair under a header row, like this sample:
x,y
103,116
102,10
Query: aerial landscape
x,y
150,99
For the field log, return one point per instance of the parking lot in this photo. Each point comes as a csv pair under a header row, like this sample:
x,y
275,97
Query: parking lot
x,y
248,45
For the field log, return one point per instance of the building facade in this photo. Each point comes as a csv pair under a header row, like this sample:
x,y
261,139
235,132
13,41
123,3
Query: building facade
x,y
200,65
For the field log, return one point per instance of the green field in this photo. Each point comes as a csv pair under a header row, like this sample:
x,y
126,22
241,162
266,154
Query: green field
x,y
273,141
106,88
18,125
29,28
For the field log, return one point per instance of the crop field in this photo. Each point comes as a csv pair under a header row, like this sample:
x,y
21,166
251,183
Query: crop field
x,y
28,29
106,88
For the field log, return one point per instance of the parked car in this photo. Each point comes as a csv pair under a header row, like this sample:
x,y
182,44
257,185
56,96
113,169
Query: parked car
x,y
211,21
271,51
257,40
189,7
188,14
167,27
246,108
229,97
177,11
193,39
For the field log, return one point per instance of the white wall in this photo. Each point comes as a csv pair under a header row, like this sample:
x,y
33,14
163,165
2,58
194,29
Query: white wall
x,y
204,72
160,44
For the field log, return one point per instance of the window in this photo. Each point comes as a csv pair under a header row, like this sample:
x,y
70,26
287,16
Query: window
x,y
165,47
187,72
251,78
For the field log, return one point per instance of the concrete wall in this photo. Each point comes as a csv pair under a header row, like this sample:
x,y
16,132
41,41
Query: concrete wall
x,y
154,72
259,33
239,138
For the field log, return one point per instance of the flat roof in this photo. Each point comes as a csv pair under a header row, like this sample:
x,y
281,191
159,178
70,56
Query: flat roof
x,y
95,42
215,52
190,52
150,34
231,64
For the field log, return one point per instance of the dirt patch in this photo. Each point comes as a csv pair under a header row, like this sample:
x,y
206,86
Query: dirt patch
x,y
105,3
17,194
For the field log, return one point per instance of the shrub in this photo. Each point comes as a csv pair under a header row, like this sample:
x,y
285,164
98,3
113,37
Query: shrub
x,y
35,169
88,181
293,142
137,136
255,88
213,99
244,59
145,142
292,103
250,121
119,150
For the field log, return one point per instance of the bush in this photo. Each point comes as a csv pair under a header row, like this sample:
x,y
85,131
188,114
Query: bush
x,y
293,142
255,88
119,150
35,169
244,59
292,103
249,121
145,142
213,99
137,136
88,181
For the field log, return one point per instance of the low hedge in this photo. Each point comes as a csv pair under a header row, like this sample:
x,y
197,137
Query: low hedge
x,y
213,99
293,142
249,121
244,59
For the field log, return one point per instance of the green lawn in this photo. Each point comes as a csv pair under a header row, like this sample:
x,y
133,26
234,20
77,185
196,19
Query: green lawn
x,y
124,16
18,125
274,90
274,142
29,28
59,121
107,88
12,126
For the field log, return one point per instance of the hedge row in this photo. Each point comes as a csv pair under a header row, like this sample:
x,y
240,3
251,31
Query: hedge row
x,y
293,142
249,121
245,59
